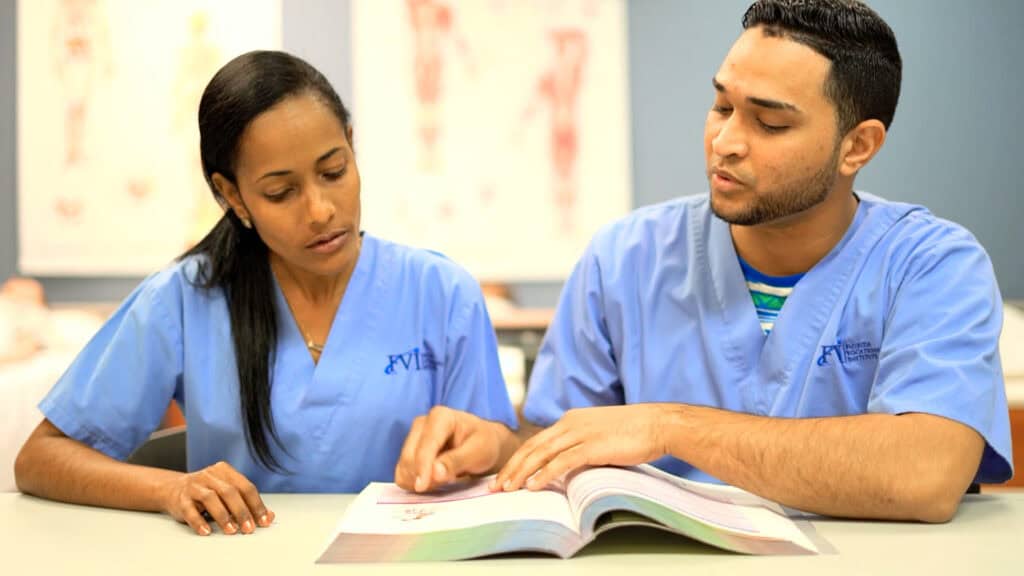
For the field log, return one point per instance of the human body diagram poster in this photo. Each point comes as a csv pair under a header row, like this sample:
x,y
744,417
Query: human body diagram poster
x,y
109,176
494,131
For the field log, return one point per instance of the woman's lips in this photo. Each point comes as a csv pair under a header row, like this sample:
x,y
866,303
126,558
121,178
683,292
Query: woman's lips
x,y
328,243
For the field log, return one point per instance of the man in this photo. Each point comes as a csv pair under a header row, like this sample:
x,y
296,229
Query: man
x,y
820,347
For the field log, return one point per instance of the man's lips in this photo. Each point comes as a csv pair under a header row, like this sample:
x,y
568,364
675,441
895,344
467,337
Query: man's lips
x,y
726,176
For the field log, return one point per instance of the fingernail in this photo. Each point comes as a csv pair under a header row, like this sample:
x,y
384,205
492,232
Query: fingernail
x,y
264,521
493,484
418,485
531,483
247,526
231,528
204,530
507,485
440,473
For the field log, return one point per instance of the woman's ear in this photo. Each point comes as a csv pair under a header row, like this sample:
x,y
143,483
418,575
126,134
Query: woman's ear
x,y
229,192
860,145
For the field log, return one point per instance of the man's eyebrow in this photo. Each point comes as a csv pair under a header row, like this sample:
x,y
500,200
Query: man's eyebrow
x,y
760,102
773,104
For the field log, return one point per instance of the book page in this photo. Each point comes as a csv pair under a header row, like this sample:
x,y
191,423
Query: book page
x,y
631,488
383,508
589,485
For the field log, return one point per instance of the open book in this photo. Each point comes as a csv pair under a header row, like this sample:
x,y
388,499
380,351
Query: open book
x,y
387,524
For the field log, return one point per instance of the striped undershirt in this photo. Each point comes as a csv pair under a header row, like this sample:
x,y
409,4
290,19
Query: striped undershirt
x,y
768,292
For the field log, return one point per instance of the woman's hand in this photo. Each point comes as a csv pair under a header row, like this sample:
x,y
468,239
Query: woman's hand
x,y
446,445
223,494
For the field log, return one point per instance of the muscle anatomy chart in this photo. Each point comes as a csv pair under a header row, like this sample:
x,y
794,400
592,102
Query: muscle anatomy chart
x,y
109,177
494,131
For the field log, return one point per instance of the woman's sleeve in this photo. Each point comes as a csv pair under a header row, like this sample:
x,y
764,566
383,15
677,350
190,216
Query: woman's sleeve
x,y
118,388
473,380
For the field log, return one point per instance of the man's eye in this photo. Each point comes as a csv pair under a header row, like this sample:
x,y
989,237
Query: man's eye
x,y
771,128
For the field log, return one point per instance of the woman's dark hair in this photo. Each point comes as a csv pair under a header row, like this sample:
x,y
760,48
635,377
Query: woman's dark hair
x,y
235,259
864,81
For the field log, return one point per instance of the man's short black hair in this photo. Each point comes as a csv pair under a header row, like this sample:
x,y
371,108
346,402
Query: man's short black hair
x,y
864,81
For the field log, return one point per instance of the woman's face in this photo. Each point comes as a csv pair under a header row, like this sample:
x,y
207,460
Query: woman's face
x,y
297,183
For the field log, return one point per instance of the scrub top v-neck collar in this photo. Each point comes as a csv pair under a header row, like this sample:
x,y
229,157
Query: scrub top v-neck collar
x,y
347,327
765,363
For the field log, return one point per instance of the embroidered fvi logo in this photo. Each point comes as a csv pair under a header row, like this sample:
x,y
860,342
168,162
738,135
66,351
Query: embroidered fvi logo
x,y
414,359
847,352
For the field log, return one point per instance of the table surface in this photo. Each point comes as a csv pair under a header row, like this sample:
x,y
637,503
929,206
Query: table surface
x,y
43,537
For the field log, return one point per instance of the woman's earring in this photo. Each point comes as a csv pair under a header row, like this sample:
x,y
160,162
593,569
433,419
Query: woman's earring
x,y
246,222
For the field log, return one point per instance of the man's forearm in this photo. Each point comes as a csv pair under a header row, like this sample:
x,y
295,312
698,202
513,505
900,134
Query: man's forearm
x,y
914,466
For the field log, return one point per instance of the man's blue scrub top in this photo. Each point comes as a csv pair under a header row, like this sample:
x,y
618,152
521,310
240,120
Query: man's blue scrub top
x,y
903,315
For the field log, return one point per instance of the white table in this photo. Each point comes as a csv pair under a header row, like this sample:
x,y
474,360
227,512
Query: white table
x,y
43,537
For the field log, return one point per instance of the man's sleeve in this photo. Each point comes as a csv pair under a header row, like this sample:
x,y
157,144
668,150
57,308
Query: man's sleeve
x,y
576,365
940,353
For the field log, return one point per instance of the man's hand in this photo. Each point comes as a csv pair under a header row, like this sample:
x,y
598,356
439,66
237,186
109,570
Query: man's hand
x,y
446,445
616,435
224,494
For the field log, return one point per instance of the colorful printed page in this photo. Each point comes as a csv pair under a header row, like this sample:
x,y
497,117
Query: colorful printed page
x,y
377,510
386,524
392,494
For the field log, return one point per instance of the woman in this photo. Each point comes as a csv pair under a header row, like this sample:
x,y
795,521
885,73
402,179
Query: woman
x,y
301,350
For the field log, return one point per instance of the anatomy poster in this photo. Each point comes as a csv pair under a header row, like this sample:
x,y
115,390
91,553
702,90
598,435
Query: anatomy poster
x,y
494,131
109,176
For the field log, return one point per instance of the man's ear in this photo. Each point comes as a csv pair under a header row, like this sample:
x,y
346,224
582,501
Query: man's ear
x,y
229,192
860,145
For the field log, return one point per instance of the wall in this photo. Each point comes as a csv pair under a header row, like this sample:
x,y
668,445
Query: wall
x,y
955,142
954,145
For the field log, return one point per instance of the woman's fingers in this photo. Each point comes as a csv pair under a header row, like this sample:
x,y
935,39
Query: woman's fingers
x,y
250,495
243,519
438,429
221,494
405,470
210,501
191,515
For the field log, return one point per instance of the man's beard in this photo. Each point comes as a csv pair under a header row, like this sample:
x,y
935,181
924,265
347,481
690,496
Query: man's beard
x,y
793,199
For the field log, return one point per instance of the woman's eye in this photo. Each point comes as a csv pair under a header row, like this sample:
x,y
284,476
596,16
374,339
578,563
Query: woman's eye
x,y
334,175
278,196
721,109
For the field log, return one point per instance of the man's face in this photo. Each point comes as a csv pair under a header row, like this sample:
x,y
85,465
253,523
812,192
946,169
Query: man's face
x,y
770,139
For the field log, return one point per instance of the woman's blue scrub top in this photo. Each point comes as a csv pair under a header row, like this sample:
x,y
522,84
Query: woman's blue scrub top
x,y
411,332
